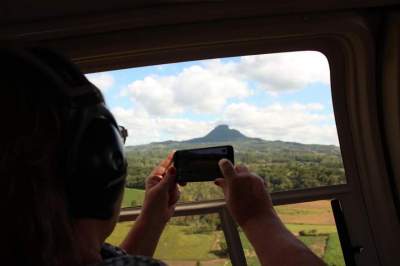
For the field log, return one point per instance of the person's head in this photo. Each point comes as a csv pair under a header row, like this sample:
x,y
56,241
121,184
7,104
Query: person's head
x,y
61,157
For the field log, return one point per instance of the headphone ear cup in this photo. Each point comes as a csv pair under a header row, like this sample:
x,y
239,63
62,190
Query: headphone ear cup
x,y
100,171
93,164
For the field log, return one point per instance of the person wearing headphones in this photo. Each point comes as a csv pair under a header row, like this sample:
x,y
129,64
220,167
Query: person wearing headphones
x,y
63,171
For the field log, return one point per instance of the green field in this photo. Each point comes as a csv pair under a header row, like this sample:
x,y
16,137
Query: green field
x,y
132,197
321,228
333,248
324,244
185,246
180,246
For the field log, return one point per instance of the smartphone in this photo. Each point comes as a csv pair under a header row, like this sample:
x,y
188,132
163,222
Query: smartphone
x,y
196,165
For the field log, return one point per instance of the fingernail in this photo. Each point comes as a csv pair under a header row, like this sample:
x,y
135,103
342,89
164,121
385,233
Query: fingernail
x,y
223,162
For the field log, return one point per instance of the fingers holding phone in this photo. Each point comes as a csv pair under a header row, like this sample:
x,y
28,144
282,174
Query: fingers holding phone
x,y
245,193
201,164
241,168
162,192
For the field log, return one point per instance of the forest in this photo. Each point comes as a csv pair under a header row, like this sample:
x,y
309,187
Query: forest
x,y
284,165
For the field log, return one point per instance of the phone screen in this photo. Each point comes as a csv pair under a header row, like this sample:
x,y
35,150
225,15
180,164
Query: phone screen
x,y
201,164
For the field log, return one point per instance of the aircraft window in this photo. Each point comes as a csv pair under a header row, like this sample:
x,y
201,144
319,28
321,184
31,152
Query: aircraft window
x,y
275,109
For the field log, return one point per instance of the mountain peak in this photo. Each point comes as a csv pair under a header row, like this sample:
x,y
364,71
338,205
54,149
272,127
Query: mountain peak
x,y
221,133
221,127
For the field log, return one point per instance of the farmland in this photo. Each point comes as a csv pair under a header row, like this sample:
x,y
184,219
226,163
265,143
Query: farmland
x,y
182,245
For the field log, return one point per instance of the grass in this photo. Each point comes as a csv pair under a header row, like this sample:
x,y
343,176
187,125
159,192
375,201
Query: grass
x,y
175,242
333,255
316,243
321,228
317,212
119,233
132,197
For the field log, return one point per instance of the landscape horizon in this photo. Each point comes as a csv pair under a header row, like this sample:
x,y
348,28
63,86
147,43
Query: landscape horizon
x,y
225,128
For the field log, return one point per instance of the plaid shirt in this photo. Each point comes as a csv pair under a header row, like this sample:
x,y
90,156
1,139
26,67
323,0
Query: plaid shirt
x,y
114,256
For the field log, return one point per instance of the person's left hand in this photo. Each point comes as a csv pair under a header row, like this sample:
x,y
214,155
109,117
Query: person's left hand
x,y
162,193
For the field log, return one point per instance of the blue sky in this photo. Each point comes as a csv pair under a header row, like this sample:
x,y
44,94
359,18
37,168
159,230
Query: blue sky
x,y
283,96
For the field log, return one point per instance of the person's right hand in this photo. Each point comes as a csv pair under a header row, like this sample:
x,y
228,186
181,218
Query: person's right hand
x,y
250,205
245,193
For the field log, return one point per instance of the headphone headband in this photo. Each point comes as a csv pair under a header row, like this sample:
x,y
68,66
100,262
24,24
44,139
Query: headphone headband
x,y
72,83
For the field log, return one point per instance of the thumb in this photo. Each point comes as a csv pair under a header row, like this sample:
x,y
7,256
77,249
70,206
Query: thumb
x,y
169,178
227,169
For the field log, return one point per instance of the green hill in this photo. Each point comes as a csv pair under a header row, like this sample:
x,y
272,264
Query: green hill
x,y
218,134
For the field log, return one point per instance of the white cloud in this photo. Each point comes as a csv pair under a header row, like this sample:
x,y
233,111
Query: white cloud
x,y
104,81
284,71
144,128
141,128
198,88
295,122
208,87
154,93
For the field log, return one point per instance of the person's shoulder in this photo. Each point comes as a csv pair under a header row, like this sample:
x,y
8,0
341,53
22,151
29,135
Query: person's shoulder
x,y
110,251
115,256
128,260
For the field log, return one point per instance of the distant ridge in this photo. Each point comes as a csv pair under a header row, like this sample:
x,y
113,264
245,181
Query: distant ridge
x,y
221,133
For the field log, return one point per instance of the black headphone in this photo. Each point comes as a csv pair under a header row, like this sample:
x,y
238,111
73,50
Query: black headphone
x,y
93,162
